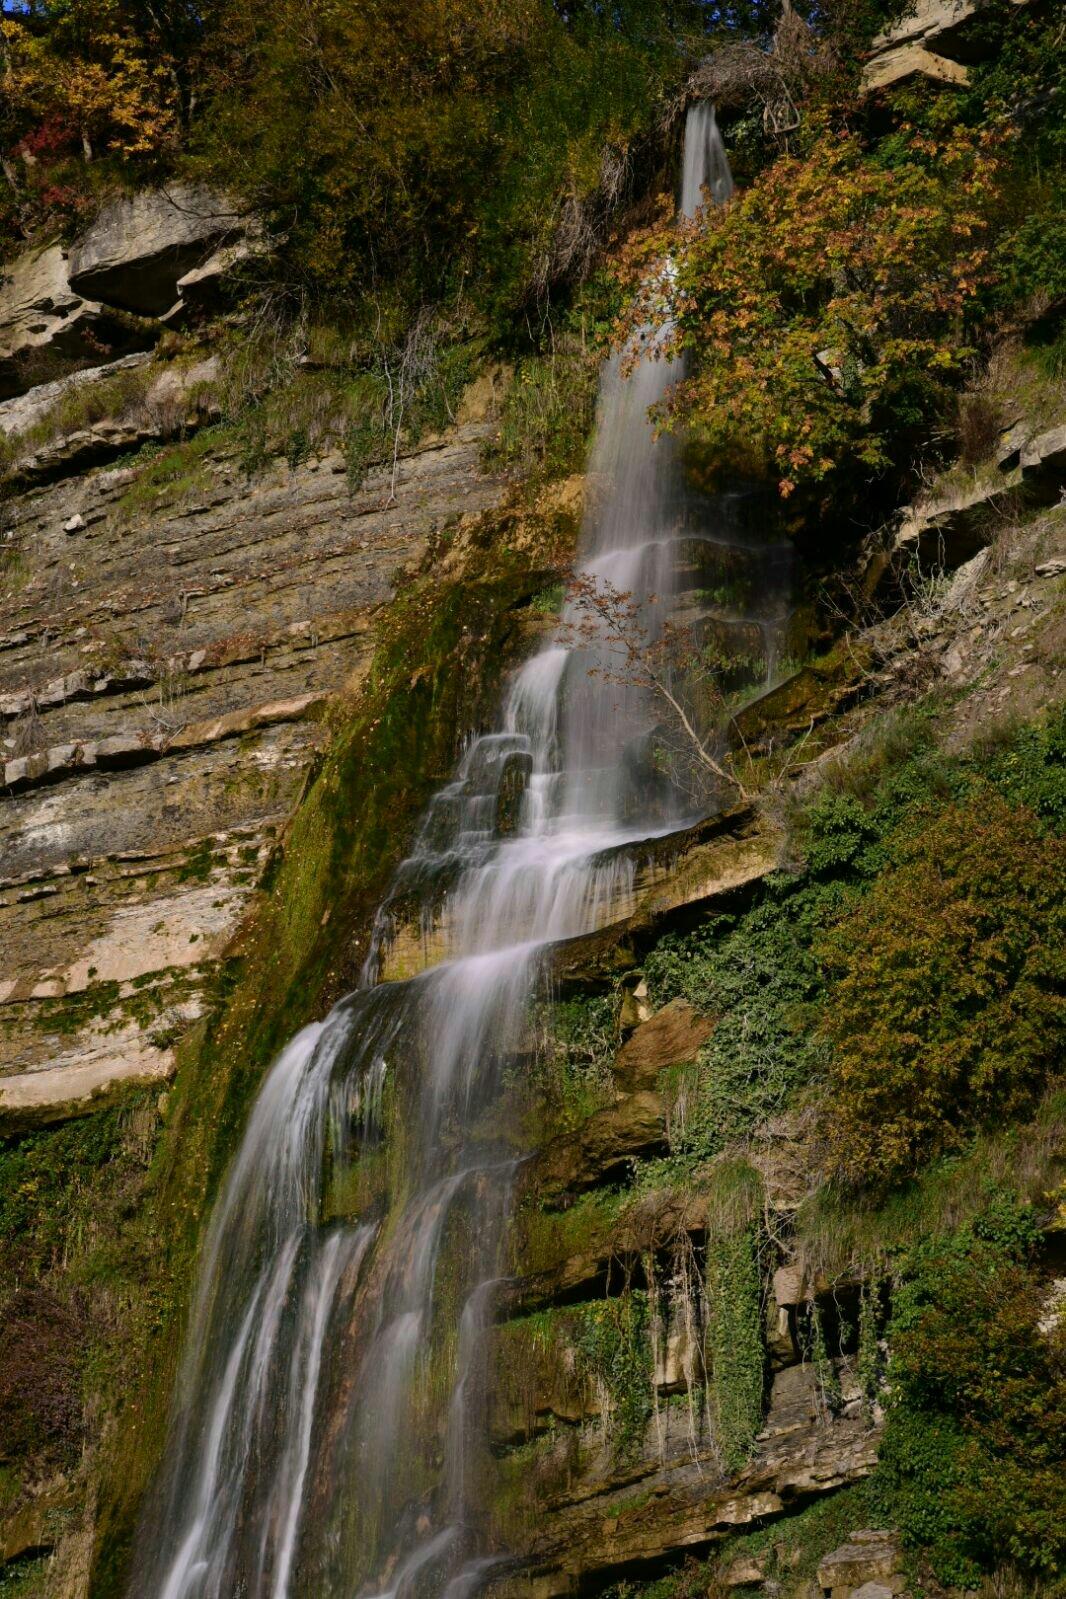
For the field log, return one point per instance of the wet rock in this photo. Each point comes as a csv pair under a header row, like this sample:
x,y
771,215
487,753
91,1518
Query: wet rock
x,y
514,779
804,698
602,1147
140,245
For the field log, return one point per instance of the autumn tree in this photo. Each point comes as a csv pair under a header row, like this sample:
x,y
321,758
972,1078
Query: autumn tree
x,y
85,71
824,310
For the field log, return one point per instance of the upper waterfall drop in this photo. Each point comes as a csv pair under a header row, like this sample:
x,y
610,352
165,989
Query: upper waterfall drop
x,y
705,165
309,1451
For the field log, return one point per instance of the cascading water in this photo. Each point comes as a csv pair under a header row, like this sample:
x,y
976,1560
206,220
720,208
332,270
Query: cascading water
x,y
329,1428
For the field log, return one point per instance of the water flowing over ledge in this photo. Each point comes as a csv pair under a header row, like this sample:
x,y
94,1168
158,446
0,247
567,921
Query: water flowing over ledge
x,y
329,1433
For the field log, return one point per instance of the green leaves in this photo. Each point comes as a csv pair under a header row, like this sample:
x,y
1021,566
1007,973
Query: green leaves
x,y
973,1462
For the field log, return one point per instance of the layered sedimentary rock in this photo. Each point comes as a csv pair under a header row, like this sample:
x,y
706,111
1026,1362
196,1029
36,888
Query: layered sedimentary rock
x,y
165,674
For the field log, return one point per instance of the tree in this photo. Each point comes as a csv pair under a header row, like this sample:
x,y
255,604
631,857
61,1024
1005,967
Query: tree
x,y
668,663
824,310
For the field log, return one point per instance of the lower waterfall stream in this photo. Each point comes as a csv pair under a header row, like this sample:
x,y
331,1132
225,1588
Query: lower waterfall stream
x,y
330,1421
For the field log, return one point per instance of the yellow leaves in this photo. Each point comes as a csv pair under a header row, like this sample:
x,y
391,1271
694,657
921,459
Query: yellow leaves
x,y
99,81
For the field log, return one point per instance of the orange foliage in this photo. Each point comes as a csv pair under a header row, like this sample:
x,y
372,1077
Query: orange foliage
x,y
825,306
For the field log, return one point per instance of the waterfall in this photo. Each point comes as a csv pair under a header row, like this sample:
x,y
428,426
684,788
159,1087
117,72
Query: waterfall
x,y
329,1426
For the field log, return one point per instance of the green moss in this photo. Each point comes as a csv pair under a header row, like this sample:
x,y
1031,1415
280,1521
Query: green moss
x,y
543,1240
50,1182
570,1077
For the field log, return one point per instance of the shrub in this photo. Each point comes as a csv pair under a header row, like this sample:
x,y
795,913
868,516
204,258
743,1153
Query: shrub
x,y
758,975
420,153
824,307
945,1006
973,1463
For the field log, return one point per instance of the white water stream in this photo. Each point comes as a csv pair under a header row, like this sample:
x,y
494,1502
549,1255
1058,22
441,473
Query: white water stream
x,y
316,1448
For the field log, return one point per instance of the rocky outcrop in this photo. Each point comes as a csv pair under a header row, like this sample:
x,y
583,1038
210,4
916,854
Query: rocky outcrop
x,y
717,857
960,516
602,1519
140,245
47,327
123,406
933,40
161,255
166,671
870,1564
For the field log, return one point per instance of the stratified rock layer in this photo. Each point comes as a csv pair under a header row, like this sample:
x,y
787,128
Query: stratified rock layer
x,y
164,676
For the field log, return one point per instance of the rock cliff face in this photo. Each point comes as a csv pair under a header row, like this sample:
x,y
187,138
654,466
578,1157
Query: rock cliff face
x,y
165,674
186,752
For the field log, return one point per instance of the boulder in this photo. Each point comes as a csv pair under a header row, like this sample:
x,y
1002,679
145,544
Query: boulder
x,y
672,1037
1043,465
942,20
212,282
910,61
933,39
869,1556
48,328
141,245
747,1570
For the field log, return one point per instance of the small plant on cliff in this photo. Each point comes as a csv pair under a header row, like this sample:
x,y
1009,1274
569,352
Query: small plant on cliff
x,y
946,1003
613,1346
737,1357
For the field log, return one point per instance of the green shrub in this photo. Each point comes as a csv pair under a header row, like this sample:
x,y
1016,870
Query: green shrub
x,y
945,1004
757,974
973,1463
